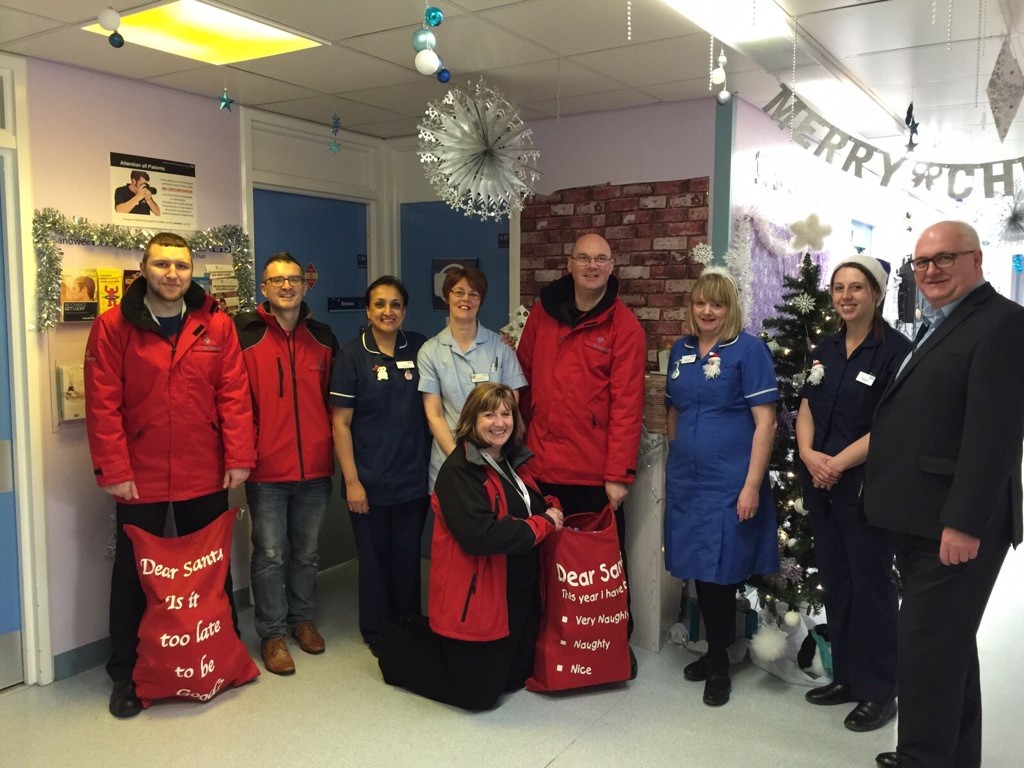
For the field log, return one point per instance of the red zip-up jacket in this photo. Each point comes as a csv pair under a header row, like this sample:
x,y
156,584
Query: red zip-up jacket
x,y
472,534
170,414
289,375
585,402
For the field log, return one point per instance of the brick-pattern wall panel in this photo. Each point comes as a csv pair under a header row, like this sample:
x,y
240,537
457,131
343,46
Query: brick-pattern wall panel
x,y
651,228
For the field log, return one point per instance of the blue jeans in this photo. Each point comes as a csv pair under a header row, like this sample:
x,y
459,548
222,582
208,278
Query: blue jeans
x,y
286,521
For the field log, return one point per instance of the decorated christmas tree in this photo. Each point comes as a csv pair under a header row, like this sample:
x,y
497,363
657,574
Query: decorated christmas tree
x,y
804,317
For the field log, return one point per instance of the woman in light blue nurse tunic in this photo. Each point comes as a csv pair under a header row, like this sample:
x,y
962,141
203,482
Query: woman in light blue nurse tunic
x,y
461,356
720,525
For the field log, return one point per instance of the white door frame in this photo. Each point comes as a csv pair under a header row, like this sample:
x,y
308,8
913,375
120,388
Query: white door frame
x,y
27,361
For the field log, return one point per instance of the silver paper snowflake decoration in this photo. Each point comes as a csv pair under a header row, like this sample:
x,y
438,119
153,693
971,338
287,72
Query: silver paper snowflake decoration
x,y
476,152
803,303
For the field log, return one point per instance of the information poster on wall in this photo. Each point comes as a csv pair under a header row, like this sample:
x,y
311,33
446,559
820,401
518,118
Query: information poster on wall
x,y
152,193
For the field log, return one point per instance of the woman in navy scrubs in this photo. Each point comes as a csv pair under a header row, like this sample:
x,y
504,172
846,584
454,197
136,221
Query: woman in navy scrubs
x,y
383,447
851,370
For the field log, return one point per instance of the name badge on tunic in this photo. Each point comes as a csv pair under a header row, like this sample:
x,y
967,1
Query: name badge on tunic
x,y
865,378
687,359
476,378
403,364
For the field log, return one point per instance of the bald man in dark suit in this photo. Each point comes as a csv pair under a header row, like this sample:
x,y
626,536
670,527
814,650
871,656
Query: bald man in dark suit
x,y
944,475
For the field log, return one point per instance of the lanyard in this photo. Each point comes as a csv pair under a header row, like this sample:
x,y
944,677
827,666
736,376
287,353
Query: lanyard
x,y
515,481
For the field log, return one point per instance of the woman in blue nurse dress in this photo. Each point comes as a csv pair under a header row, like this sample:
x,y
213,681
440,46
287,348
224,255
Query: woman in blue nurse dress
x,y
720,524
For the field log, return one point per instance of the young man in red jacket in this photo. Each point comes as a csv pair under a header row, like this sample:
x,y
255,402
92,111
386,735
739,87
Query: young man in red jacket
x,y
288,356
169,420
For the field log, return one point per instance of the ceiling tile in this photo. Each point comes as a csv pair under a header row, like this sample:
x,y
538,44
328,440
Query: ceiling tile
x,y
595,102
320,109
466,44
546,21
15,24
545,80
243,87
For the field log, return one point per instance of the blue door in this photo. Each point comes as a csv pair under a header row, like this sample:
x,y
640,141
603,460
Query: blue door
x,y
11,670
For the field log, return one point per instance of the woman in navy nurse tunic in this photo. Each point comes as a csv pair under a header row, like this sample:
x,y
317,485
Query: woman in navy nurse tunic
x,y
720,525
851,370
383,447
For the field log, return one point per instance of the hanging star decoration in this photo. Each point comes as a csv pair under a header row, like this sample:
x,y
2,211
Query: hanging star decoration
x,y
912,125
477,153
226,101
335,124
810,233
334,146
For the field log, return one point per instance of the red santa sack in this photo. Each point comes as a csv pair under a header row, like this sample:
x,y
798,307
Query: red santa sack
x,y
188,648
583,637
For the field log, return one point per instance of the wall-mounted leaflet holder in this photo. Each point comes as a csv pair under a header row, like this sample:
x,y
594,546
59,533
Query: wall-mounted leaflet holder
x,y
70,391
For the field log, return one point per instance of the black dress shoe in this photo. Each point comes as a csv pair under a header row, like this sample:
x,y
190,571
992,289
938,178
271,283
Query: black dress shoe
x,y
827,695
123,701
870,715
697,671
634,667
717,689
888,760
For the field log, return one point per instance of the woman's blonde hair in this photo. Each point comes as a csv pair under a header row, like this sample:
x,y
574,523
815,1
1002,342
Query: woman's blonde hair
x,y
488,396
717,286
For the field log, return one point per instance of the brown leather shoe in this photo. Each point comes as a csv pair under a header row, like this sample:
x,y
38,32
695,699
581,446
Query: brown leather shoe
x,y
276,657
307,637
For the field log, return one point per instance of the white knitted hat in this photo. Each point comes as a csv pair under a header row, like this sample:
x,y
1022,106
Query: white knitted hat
x,y
877,268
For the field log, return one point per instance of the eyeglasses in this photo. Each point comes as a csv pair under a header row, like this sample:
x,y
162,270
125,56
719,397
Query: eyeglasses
x,y
278,280
460,294
602,259
940,260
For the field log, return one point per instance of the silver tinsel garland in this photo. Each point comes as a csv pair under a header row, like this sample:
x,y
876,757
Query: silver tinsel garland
x,y
477,153
50,226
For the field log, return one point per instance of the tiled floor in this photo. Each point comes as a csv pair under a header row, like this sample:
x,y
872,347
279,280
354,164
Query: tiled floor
x,y
336,711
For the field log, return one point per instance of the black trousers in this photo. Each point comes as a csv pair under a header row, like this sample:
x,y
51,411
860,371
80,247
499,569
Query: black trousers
x,y
470,675
127,600
861,604
937,652
388,543
592,498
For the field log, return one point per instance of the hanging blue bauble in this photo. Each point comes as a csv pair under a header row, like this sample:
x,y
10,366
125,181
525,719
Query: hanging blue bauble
x,y
423,39
116,40
433,16
444,76
1018,262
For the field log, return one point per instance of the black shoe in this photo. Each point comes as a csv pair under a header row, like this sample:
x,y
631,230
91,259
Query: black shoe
x,y
123,701
697,671
374,646
889,760
827,695
870,716
717,689
634,667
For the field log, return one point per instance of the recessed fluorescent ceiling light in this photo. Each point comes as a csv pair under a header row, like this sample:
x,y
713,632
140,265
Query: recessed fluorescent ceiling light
x,y
206,33
736,21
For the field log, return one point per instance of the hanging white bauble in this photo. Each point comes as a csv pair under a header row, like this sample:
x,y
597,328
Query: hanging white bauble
x,y
109,19
792,619
718,76
427,62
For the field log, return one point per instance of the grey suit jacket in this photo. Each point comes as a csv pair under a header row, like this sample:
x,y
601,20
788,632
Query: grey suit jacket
x,y
946,437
